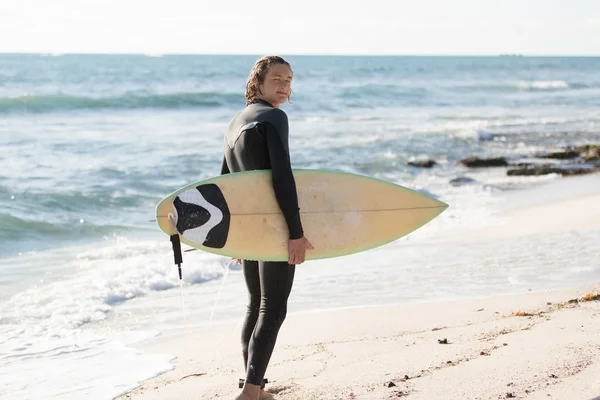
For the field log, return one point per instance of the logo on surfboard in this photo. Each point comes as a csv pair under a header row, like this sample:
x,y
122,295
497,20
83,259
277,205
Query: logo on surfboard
x,y
202,215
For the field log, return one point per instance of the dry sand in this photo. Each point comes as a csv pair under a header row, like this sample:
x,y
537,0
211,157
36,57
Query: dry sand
x,y
492,352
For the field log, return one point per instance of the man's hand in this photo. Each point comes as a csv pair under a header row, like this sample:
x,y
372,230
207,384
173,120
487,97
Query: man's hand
x,y
297,250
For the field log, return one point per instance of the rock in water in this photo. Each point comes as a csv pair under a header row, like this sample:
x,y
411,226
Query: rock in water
x,y
483,162
549,169
561,155
462,180
422,163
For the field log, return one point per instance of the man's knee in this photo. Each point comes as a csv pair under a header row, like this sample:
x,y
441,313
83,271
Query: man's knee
x,y
254,303
274,313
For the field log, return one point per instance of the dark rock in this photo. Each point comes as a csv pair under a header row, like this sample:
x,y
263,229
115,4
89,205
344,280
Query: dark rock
x,y
443,341
390,384
462,181
585,148
422,163
562,155
550,169
483,162
589,152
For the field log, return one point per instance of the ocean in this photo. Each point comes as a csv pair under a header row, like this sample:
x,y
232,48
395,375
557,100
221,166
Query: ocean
x,y
91,143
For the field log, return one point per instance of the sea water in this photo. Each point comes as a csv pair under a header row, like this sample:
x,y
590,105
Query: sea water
x,y
90,143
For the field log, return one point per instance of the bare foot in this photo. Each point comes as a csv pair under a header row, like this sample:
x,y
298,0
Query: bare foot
x,y
265,395
250,392
243,396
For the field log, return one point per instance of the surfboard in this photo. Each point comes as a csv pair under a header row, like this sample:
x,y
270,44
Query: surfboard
x,y
237,215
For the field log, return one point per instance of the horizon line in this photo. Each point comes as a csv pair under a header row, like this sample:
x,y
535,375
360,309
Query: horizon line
x,y
161,54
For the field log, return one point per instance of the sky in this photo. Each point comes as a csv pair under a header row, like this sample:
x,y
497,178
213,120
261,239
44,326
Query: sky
x,y
414,27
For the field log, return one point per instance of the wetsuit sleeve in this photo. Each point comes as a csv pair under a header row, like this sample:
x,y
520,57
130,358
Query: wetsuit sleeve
x,y
275,132
224,167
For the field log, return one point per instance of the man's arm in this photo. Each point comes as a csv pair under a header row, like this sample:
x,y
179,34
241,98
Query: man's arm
x,y
275,131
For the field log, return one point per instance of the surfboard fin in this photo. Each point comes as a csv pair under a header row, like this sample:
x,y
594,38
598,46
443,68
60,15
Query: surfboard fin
x,y
176,244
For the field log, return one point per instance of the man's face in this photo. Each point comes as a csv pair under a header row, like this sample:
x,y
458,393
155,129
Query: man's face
x,y
277,85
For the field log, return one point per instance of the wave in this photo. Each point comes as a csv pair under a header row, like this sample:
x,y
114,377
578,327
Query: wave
x,y
60,102
526,86
97,198
540,85
317,119
19,233
383,90
509,121
98,277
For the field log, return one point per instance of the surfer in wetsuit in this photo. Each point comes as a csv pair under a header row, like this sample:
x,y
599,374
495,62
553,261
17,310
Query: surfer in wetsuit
x,y
257,138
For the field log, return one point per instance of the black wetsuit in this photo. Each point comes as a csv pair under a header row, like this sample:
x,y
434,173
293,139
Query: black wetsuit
x,y
257,138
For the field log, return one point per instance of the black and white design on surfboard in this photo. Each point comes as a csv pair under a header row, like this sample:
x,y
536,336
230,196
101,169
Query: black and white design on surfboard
x,y
202,215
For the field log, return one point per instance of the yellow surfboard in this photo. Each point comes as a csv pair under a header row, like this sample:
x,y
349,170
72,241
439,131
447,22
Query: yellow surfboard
x,y
237,215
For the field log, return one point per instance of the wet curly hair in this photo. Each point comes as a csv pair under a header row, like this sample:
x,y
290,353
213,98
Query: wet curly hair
x,y
258,74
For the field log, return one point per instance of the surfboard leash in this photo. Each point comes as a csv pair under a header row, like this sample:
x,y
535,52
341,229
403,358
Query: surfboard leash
x,y
176,245
178,259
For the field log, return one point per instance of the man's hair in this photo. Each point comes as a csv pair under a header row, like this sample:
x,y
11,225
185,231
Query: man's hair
x,y
258,74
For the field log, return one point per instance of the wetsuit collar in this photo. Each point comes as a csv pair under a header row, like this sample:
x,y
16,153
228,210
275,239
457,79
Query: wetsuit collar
x,y
263,102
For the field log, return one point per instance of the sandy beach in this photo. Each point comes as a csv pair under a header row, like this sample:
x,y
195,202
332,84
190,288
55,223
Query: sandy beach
x,y
540,345
534,346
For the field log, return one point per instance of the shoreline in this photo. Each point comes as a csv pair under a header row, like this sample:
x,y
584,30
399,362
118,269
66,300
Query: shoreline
x,y
563,204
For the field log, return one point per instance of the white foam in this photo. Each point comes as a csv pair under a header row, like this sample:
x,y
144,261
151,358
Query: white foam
x,y
482,128
105,276
87,366
541,85
48,329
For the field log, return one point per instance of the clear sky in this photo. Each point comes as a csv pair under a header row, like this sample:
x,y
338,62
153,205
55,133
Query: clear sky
x,y
466,27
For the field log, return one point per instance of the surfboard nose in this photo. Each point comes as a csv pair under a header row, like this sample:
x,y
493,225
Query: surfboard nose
x,y
441,204
436,205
